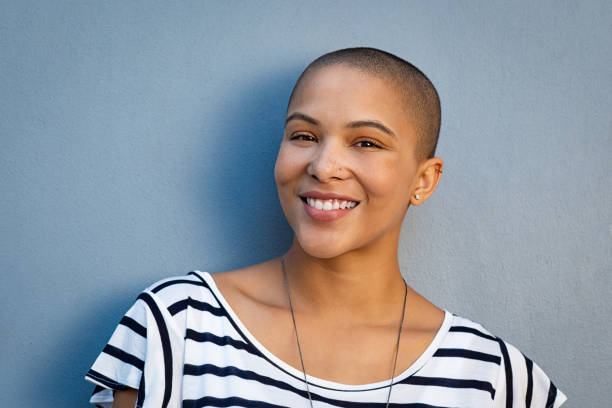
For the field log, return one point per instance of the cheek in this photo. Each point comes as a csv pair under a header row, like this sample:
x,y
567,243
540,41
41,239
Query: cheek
x,y
383,180
286,168
280,167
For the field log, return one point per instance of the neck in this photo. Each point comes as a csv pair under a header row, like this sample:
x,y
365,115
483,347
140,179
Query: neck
x,y
355,287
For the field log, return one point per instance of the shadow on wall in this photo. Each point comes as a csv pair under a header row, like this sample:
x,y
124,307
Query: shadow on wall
x,y
63,382
235,197
239,201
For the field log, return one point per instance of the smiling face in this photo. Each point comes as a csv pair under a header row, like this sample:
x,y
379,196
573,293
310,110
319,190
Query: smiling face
x,y
347,170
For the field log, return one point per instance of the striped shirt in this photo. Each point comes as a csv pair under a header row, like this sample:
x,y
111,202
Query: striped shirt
x,y
181,344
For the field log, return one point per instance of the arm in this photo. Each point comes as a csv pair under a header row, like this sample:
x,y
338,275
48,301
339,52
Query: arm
x,y
125,398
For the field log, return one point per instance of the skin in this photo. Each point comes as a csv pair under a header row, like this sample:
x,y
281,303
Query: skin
x,y
125,398
344,275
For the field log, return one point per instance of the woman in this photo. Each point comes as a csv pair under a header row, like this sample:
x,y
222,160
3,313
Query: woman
x,y
332,322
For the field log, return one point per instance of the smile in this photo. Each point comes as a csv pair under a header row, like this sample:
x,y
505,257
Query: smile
x,y
325,207
328,205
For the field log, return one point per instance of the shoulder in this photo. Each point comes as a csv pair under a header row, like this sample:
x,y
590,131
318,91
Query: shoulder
x,y
168,300
246,288
474,341
519,381
252,286
169,291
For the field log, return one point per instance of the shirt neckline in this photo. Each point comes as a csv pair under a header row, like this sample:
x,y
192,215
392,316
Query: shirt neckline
x,y
320,382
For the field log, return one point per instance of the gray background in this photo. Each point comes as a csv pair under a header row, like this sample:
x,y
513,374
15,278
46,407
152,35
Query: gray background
x,y
138,141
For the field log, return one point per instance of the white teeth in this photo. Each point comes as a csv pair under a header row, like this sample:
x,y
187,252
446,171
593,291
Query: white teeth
x,y
327,205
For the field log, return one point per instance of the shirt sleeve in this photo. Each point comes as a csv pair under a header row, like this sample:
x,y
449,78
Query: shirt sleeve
x,y
523,384
144,353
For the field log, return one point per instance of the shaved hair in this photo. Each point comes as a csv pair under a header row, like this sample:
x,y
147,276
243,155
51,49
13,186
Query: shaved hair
x,y
421,100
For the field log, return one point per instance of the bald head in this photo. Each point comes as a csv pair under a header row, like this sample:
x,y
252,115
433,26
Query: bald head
x,y
421,101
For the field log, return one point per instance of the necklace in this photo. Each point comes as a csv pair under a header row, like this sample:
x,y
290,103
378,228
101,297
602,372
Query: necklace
x,y
297,337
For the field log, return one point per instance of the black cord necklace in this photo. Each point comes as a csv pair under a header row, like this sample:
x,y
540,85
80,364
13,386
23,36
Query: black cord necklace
x,y
297,337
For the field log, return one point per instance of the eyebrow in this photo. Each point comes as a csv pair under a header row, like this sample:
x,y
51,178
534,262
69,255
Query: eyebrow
x,y
356,124
371,123
301,116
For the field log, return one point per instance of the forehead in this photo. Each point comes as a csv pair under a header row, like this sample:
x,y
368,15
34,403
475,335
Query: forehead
x,y
340,93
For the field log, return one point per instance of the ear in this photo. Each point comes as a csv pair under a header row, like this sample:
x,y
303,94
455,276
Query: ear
x,y
428,177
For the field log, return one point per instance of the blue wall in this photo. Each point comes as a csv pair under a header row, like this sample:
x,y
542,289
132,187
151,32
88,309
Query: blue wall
x,y
138,141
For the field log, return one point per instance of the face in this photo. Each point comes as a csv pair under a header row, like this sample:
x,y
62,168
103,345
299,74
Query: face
x,y
346,168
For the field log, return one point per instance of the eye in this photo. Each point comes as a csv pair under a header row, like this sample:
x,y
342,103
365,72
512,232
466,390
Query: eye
x,y
303,137
368,144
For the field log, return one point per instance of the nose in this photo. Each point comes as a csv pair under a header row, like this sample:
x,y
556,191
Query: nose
x,y
327,162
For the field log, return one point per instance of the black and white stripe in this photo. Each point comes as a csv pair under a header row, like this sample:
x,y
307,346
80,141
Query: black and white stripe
x,y
181,344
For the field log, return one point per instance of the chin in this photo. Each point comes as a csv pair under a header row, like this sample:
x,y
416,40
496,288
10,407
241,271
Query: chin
x,y
322,249
321,252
